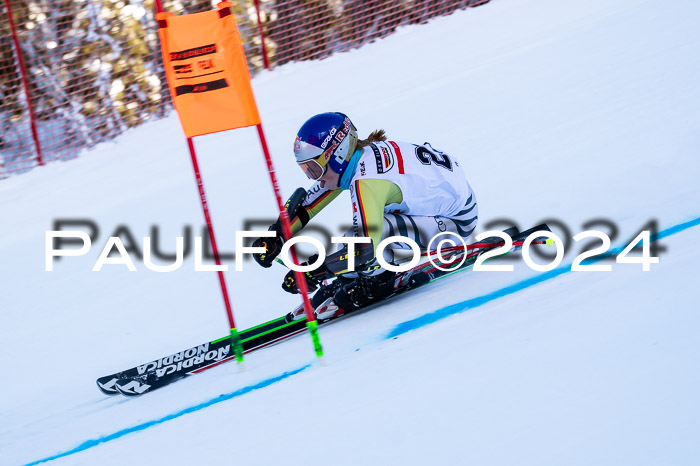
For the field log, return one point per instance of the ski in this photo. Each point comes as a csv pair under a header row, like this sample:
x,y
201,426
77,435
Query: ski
x,y
259,337
164,371
202,356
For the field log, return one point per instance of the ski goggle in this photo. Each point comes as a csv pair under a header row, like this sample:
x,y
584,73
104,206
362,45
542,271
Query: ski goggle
x,y
315,164
315,168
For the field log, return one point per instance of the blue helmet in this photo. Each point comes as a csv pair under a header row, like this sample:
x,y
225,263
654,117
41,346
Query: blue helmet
x,y
326,139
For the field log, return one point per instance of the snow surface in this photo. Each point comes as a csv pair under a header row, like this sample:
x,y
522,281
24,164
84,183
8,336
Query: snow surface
x,y
559,110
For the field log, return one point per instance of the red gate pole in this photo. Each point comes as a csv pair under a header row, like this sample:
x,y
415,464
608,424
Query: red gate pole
x,y
25,84
236,345
266,62
311,322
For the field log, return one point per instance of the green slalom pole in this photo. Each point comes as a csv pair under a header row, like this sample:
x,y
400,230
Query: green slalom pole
x,y
313,330
236,344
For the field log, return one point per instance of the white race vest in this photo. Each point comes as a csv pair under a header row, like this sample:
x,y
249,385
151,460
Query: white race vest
x,y
431,182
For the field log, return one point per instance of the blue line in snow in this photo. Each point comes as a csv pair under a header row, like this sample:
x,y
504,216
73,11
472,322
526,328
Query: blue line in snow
x,y
457,308
139,427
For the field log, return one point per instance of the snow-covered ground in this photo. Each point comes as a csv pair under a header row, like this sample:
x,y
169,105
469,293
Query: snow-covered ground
x,y
559,110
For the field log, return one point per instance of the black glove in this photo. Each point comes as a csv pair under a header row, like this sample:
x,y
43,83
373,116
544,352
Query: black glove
x,y
313,277
272,245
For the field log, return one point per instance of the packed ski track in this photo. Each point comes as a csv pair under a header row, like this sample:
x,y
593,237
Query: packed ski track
x,y
557,110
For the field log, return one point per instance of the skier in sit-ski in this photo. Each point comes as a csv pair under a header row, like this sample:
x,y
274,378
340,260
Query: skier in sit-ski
x,y
396,189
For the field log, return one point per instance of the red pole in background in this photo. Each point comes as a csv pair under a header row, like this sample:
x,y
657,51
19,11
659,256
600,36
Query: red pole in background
x,y
266,62
236,345
25,84
311,322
